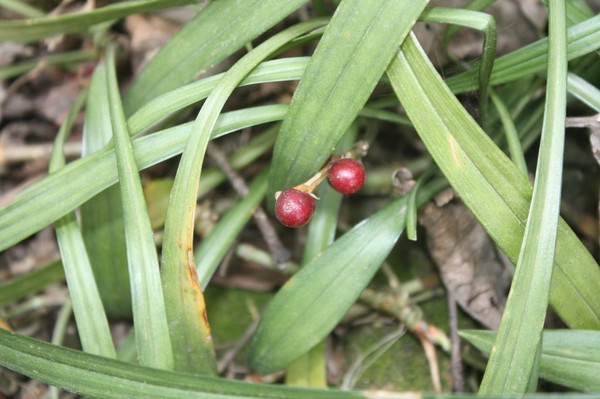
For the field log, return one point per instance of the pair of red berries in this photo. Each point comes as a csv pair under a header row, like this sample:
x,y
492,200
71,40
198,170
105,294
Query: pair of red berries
x,y
294,207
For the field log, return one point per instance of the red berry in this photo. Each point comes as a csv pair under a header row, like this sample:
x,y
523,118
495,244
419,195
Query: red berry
x,y
294,208
347,176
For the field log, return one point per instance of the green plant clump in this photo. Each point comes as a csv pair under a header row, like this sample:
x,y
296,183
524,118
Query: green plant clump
x,y
212,167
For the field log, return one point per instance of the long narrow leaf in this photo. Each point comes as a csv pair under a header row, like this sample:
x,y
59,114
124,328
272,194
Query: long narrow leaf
x,y
489,183
30,283
176,99
310,369
584,91
102,216
16,69
63,191
363,37
111,379
149,316
29,30
513,362
92,324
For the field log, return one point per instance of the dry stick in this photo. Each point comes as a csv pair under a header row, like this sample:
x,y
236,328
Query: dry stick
x,y
458,383
280,254
585,121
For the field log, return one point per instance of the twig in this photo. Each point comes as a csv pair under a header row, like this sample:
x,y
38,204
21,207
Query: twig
x,y
585,121
399,305
280,254
10,154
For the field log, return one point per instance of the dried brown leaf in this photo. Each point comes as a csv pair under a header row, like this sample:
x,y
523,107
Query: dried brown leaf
x,y
468,261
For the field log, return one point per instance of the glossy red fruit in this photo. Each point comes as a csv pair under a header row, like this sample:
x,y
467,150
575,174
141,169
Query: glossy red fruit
x,y
347,176
294,208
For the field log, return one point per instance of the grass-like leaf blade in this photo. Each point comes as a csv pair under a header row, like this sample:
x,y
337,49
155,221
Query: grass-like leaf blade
x,y
101,217
149,316
92,324
101,377
210,252
513,362
69,187
30,283
28,30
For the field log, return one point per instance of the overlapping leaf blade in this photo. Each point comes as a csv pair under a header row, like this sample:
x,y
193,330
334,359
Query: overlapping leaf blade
x,y
149,316
356,47
92,324
583,38
513,365
53,196
102,216
190,333
489,184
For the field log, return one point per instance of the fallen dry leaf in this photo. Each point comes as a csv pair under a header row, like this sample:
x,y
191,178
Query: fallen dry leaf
x,y
468,261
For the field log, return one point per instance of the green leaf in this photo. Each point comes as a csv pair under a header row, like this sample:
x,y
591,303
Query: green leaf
x,y
92,324
101,377
53,196
315,299
513,362
221,28
102,216
569,357
356,47
21,8
489,183
149,316
473,5
29,30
